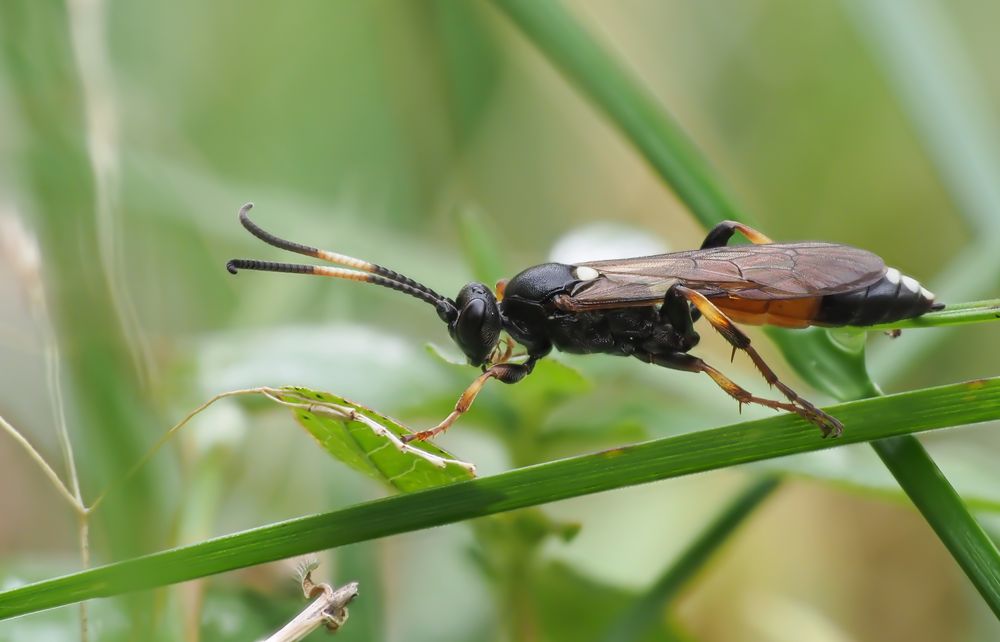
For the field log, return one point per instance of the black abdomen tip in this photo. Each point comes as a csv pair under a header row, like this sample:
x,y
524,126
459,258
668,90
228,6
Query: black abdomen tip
x,y
892,298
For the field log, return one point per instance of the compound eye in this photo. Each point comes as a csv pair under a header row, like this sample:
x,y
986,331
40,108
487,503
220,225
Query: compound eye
x,y
477,328
470,322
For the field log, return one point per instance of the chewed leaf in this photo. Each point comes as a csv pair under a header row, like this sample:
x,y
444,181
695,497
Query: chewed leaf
x,y
370,442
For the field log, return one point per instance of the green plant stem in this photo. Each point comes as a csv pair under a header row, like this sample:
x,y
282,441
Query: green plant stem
x,y
779,436
943,509
957,314
627,104
636,621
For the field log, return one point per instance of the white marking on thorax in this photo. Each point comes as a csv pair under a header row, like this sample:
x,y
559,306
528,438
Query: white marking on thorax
x,y
586,273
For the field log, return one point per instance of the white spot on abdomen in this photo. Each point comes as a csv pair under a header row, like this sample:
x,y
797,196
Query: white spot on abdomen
x,y
895,277
911,284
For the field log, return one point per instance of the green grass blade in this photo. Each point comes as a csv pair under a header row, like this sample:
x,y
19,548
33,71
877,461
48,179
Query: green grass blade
x,y
943,509
779,436
479,246
646,611
628,105
958,314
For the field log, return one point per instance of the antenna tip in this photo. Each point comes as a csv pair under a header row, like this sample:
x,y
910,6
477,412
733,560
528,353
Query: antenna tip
x,y
246,208
231,266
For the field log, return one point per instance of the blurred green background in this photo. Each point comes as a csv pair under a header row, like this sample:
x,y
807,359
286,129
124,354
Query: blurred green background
x,y
433,138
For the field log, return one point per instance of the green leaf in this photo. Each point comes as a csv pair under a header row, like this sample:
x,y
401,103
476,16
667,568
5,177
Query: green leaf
x,y
779,436
830,360
472,62
369,442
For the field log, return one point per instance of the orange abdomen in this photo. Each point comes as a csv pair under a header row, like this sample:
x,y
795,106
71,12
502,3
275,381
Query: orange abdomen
x,y
786,313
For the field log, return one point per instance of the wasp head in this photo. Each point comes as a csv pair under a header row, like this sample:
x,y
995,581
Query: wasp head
x,y
476,328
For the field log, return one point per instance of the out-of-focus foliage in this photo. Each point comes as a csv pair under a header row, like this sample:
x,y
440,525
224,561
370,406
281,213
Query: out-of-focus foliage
x,y
431,137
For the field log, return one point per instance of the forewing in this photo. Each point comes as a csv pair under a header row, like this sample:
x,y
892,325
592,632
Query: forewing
x,y
771,271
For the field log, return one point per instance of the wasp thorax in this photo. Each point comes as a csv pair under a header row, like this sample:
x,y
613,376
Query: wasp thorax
x,y
476,330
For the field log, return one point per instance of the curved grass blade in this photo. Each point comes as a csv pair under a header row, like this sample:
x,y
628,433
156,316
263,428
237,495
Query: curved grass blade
x,y
627,103
867,420
957,314
943,509
371,443
639,618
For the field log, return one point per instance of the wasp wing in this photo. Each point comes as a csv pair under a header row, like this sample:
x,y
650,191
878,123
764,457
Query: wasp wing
x,y
769,271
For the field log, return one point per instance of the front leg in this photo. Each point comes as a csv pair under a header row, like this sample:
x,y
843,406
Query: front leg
x,y
505,372
719,236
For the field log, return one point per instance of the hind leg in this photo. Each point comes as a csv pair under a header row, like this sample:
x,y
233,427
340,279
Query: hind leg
x,y
721,233
690,363
740,341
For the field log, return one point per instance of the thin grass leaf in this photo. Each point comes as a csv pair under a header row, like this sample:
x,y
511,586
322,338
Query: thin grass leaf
x,y
628,105
591,604
882,417
649,609
957,314
479,245
943,509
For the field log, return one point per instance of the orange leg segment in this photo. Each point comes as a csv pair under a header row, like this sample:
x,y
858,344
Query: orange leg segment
x,y
505,372
829,425
721,233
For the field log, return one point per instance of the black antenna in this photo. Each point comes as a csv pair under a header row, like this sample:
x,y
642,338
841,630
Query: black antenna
x,y
363,271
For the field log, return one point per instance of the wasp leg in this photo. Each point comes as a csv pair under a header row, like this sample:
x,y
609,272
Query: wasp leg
x,y
721,233
681,315
740,341
719,236
689,363
505,372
